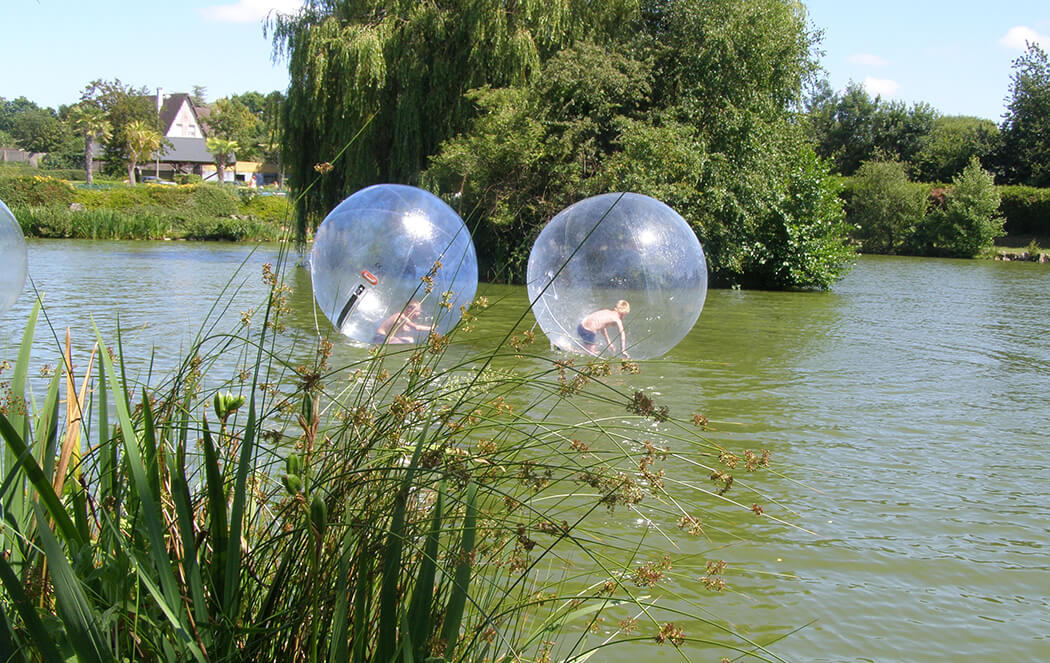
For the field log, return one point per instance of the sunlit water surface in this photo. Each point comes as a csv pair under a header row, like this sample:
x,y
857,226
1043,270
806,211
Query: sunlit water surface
x,y
908,410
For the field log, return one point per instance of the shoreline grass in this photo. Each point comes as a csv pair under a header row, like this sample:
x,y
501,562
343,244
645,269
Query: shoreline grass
x,y
415,505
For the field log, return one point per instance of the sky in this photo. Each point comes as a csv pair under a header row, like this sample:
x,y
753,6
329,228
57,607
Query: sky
x,y
954,55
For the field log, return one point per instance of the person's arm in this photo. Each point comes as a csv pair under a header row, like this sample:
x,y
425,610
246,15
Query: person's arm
x,y
623,340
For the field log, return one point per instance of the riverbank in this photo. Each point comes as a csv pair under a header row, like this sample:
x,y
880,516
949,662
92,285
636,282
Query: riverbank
x,y
51,208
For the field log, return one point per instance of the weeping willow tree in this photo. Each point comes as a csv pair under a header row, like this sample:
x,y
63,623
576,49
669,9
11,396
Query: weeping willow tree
x,y
388,77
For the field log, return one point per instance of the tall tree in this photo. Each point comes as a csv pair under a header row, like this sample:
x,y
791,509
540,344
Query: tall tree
x,y
39,130
1025,152
90,121
694,108
124,105
396,71
222,150
141,142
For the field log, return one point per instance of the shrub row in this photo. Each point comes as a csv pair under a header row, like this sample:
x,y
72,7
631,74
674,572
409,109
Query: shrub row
x,y
153,223
1026,209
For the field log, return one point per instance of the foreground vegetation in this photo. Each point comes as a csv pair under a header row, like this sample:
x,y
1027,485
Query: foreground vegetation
x,y
50,207
420,504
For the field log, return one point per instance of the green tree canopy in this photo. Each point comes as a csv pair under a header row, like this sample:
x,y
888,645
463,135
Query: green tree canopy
x,y
141,142
854,127
123,105
952,142
397,71
1025,154
90,121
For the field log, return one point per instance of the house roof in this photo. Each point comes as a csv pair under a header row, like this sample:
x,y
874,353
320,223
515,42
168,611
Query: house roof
x,y
187,150
169,110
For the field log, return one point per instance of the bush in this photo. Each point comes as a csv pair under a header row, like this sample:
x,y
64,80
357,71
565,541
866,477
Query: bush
x,y
187,178
214,200
967,224
63,223
1026,210
886,208
272,209
35,191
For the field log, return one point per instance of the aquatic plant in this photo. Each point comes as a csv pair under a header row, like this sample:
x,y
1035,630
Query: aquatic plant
x,y
419,504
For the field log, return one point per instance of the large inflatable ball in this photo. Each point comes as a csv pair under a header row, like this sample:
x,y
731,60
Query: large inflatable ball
x,y
12,258
392,262
617,270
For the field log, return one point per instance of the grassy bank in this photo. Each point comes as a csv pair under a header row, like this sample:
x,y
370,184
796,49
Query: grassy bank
x,y
419,504
53,208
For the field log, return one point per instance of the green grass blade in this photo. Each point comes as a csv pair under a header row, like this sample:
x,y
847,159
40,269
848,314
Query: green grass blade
x,y
13,504
231,588
150,509
47,429
218,529
38,634
9,652
457,601
180,494
149,446
73,608
423,596
169,611
338,650
18,376
43,487
362,597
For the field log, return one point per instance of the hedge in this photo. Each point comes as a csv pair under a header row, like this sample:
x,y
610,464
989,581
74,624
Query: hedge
x,y
1027,210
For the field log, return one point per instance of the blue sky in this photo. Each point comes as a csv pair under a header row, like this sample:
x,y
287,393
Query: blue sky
x,y
953,55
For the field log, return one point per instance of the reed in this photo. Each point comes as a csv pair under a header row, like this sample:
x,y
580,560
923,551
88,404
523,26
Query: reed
x,y
422,504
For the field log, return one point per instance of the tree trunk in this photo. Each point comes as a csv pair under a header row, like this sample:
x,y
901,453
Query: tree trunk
x,y
220,168
89,148
131,173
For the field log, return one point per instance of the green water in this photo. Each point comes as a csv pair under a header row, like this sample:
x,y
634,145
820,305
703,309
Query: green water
x,y
908,410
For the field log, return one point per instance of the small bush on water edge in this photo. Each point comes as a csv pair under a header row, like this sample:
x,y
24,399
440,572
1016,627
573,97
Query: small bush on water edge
x,y
420,504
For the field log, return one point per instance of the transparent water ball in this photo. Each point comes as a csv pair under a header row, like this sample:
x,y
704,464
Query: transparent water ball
x,y
13,258
392,262
610,250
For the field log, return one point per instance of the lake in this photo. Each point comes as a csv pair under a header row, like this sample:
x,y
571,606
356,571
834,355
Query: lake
x,y
907,413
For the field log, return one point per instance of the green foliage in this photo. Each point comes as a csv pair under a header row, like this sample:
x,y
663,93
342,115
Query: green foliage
x,y
397,72
187,178
852,128
721,153
214,200
1026,209
1025,152
39,130
63,223
271,209
35,190
885,207
412,512
968,223
950,145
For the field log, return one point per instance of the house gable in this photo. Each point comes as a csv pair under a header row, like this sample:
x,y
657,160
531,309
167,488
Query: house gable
x,y
179,118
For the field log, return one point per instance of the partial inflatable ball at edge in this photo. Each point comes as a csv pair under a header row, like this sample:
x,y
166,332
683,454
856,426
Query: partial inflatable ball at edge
x,y
13,259
391,262
611,248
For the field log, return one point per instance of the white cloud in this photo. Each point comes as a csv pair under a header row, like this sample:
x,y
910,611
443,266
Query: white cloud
x,y
868,59
1017,36
249,11
880,86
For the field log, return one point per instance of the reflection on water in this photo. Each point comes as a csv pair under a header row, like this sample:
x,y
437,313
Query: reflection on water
x,y
907,409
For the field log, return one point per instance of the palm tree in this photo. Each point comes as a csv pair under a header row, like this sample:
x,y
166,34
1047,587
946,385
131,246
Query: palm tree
x,y
142,141
222,150
91,121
